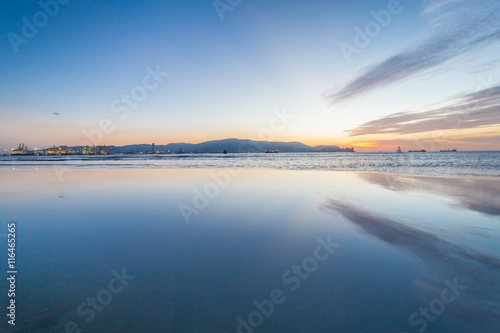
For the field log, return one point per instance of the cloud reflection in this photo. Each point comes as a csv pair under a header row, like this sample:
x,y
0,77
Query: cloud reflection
x,y
477,194
479,306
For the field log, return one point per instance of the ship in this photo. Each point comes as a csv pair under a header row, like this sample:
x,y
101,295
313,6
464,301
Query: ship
x,y
448,150
417,151
23,150
267,151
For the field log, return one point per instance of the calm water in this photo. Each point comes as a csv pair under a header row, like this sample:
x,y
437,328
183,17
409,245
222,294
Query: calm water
x,y
437,164
209,249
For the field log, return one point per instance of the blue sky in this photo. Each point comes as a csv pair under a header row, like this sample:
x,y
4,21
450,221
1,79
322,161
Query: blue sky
x,y
434,62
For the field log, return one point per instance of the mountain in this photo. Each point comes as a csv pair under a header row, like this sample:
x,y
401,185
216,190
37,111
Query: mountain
x,y
250,146
219,146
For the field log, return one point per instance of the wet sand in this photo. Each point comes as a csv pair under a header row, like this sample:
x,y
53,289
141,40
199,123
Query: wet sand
x,y
204,246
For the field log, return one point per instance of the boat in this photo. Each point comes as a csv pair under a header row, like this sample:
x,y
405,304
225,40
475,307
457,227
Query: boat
x,y
267,151
399,150
417,151
448,150
23,150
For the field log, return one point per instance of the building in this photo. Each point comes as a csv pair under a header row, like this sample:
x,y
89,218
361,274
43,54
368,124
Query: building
x,y
87,150
102,150
94,150
61,150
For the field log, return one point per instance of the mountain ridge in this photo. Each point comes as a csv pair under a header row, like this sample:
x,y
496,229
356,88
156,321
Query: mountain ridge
x,y
230,145
234,145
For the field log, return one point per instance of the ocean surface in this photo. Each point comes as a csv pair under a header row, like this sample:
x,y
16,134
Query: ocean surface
x,y
486,164
271,243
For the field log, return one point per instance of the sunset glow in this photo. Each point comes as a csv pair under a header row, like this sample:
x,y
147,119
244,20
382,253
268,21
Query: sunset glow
x,y
372,75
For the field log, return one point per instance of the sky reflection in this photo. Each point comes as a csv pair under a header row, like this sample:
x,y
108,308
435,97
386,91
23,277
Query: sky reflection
x,y
400,239
477,194
440,260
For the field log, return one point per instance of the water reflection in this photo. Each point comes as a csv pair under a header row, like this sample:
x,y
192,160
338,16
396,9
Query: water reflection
x,y
479,306
477,194
200,277
45,319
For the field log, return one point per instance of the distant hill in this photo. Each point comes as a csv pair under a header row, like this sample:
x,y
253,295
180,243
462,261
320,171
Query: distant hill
x,y
218,146
251,146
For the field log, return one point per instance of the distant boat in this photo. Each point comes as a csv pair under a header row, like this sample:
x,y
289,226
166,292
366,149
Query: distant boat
x,y
271,151
23,150
417,151
399,150
448,150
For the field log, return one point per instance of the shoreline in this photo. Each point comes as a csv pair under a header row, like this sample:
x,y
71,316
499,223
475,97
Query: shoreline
x,y
65,169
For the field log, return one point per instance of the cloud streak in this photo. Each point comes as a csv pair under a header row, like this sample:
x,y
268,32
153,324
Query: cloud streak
x,y
456,28
469,111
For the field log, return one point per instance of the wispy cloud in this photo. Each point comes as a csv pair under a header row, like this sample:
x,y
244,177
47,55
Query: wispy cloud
x,y
431,6
469,111
455,28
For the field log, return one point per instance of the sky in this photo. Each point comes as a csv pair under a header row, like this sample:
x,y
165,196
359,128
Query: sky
x,y
373,75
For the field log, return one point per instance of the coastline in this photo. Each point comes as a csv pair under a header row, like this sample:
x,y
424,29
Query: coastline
x,y
476,164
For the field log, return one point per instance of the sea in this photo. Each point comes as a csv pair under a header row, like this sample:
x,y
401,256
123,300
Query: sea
x,y
251,243
477,164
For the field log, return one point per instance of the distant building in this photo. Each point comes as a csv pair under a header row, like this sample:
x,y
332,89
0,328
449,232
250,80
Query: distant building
x,y
94,150
61,150
89,150
102,150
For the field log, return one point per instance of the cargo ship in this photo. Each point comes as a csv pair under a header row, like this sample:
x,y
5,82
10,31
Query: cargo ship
x,y
23,150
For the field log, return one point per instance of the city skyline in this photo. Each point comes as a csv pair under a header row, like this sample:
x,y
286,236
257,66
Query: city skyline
x,y
370,75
